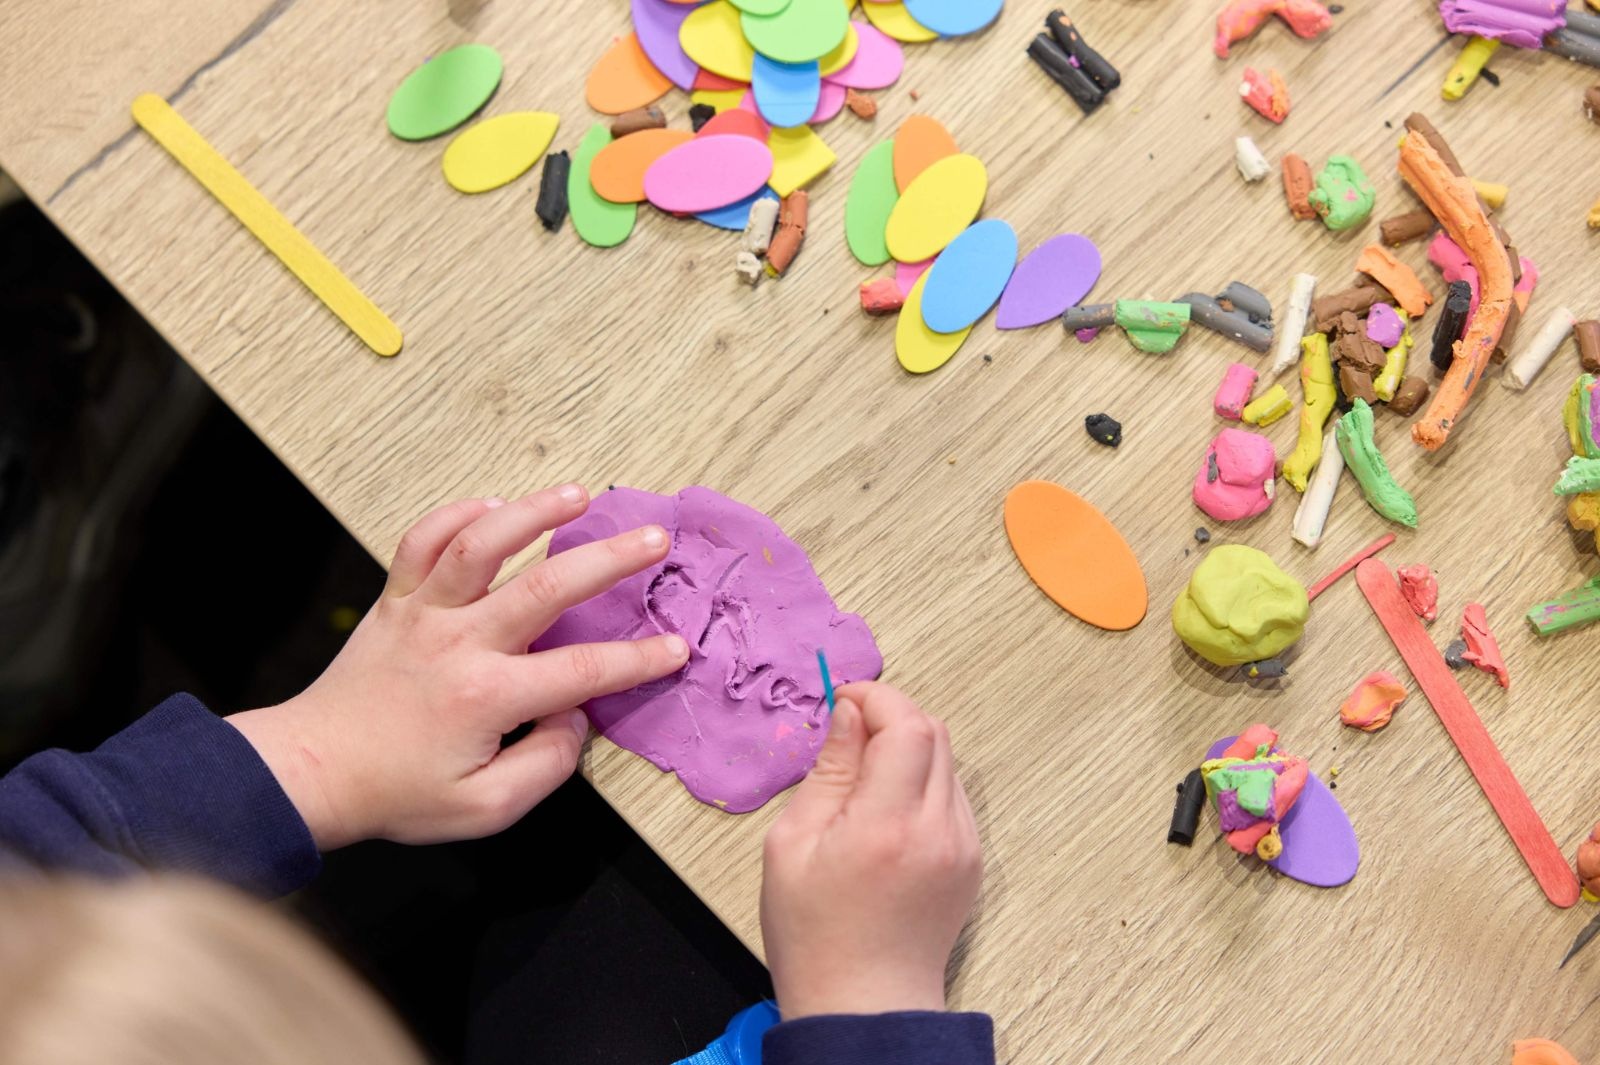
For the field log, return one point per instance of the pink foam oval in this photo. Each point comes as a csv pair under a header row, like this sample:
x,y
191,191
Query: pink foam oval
x,y
1051,278
877,63
708,172
830,100
906,274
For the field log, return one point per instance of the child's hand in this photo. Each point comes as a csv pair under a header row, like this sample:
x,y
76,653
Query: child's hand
x,y
870,872
401,737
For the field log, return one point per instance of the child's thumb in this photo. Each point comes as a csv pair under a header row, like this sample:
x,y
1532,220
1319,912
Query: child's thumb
x,y
823,792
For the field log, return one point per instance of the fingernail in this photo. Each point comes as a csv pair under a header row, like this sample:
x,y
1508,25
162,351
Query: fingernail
x,y
677,647
841,717
494,501
572,493
580,724
653,536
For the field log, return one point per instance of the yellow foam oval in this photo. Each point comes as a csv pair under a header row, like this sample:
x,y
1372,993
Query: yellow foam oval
x,y
498,150
835,60
894,20
938,204
798,157
920,349
713,37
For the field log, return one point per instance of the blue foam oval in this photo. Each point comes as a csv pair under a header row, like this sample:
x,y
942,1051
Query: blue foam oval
x,y
786,94
736,215
952,18
969,275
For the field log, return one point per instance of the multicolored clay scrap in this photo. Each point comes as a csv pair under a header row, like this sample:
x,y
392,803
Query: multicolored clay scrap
x,y
1253,789
1317,844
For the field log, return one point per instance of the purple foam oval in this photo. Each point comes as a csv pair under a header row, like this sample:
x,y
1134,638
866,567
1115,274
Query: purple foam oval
x,y
1319,843
656,22
1054,276
745,718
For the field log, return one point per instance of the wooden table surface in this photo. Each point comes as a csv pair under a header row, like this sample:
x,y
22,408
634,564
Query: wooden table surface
x,y
531,358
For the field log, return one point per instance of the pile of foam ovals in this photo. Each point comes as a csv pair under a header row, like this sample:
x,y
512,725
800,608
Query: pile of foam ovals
x,y
915,201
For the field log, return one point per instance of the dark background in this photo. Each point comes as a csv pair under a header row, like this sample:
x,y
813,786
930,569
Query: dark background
x,y
150,544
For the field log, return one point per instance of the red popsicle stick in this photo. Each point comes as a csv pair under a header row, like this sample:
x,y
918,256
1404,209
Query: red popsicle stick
x,y
1349,564
1522,821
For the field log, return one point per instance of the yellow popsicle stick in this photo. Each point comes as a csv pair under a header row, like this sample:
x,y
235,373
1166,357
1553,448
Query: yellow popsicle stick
x,y
246,203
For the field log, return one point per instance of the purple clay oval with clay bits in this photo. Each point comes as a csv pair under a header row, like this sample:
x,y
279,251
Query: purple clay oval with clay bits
x,y
745,718
1319,843
1054,276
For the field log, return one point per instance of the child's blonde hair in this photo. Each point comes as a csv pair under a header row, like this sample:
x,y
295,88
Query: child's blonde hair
x,y
164,971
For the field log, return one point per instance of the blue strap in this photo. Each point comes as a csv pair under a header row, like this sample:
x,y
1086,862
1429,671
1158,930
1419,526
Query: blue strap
x,y
715,1054
741,1043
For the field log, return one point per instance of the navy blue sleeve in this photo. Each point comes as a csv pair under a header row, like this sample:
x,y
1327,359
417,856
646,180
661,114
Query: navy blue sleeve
x,y
910,1038
180,789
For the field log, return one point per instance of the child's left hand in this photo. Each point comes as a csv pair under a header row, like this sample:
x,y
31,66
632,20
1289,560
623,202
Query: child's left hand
x,y
401,737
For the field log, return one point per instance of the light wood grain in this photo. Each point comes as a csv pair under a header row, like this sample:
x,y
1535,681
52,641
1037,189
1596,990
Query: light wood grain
x,y
530,358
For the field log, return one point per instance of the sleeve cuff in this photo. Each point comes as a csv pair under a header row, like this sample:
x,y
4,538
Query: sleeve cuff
x,y
196,797
909,1038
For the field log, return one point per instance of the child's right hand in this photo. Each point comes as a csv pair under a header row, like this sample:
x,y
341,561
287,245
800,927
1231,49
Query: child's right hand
x,y
871,871
401,737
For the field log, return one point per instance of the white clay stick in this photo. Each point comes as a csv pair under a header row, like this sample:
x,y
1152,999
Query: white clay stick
x,y
1253,166
758,228
1293,326
747,267
1312,514
1521,370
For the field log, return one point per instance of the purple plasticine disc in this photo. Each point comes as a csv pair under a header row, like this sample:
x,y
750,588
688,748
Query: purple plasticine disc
x,y
745,718
656,22
1054,276
1319,843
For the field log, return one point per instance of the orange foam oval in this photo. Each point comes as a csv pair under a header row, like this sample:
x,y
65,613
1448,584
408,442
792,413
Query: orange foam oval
x,y
617,172
624,79
1075,555
919,141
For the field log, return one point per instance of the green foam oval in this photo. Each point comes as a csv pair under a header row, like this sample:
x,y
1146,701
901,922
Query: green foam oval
x,y
444,92
802,31
760,7
867,205
598,221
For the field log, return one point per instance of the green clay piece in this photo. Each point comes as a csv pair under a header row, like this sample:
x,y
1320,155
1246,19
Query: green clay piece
x,y
598,221
1361,455
1252,788
1581,475
871,197
1581,606
1239,607
444,92
802,31
1152,326
1343,196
